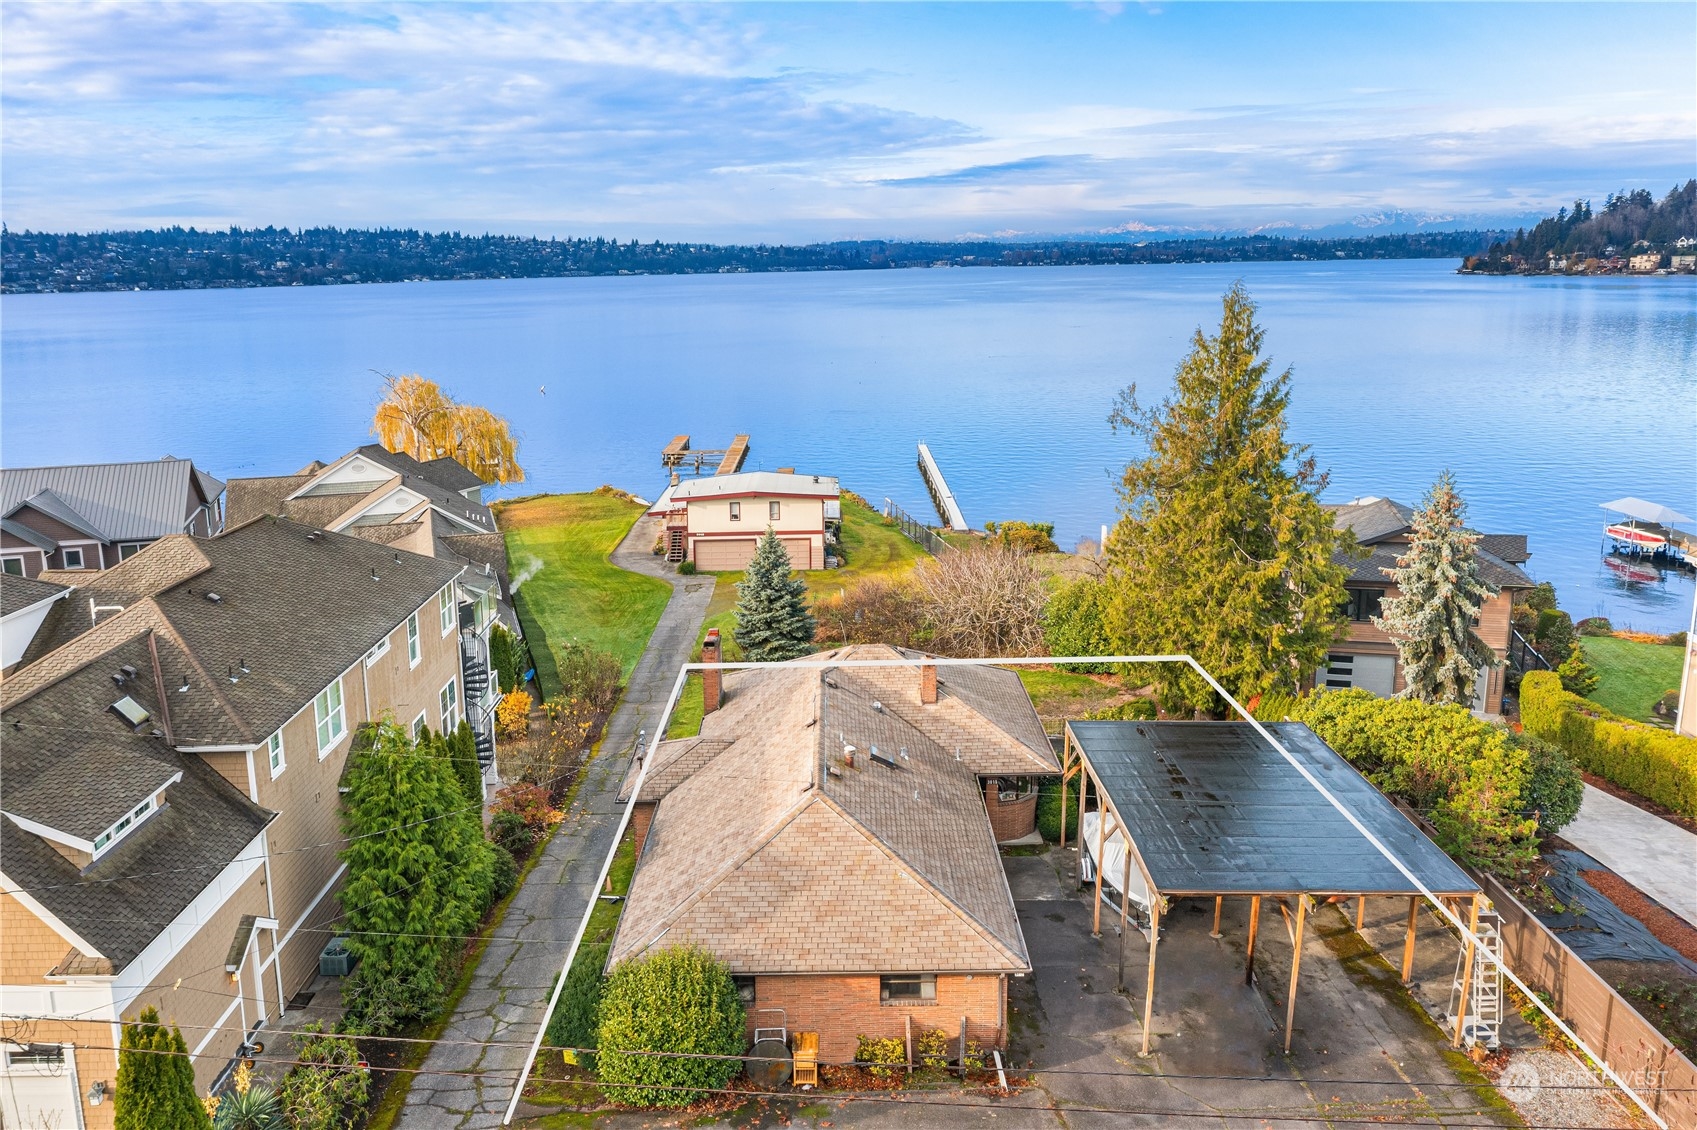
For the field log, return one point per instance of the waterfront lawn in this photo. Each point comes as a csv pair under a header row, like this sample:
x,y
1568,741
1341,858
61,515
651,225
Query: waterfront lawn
x,y
1631,676
576,593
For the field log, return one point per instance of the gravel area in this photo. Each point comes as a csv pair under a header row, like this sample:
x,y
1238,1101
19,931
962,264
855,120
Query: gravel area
x,y
1542,1084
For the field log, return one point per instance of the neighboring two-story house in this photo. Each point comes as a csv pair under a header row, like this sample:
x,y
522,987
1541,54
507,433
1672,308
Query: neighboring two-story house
x,y
1368,658
434,508
92,516
169,811
717,521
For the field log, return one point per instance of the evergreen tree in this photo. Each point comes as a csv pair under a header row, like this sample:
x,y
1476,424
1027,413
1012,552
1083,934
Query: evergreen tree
x,y
463,750
1441,592
773,622
155,1085
1222,550
419,871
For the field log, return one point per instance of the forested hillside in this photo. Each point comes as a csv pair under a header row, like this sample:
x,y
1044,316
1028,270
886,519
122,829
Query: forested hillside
x,y
1628,223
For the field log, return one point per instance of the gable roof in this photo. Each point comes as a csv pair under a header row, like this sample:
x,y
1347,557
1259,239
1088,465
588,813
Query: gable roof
x,y
111,501
1375,520
1372,519
439,482
25,533
770,850
18,593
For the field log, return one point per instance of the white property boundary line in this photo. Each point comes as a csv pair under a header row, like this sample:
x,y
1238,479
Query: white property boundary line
x,y
1045,661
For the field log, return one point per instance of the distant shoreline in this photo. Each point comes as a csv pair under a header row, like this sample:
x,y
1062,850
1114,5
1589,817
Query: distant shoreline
x,y
185,259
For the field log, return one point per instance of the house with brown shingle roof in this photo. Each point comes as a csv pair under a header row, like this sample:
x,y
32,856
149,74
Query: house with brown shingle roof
x,y
169,813
827,836
1368,658
432,507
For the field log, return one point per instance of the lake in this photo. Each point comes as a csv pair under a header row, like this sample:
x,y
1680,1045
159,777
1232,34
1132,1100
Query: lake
x,y
1546,396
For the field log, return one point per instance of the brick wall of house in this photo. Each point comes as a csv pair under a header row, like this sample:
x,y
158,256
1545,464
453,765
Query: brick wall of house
x,y
843,1008
1010,820
640,818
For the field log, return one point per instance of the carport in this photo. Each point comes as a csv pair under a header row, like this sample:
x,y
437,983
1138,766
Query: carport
x,y
1211,809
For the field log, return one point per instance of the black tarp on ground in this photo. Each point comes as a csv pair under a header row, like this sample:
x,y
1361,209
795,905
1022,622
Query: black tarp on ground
x,y
1215,809
1602,931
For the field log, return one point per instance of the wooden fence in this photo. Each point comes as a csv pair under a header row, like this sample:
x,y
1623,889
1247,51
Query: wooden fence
x,y
1601,1017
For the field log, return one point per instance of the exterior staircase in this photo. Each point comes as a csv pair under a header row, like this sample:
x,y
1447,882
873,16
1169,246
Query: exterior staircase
x,y
474,675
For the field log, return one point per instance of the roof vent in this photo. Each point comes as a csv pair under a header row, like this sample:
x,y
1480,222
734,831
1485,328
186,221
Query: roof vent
x,y
848,756
214,598
833,771
877,706
128,670
313,535
882,757
131,711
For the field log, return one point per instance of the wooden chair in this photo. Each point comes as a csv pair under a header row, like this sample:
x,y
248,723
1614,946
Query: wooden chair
x,y
806,1069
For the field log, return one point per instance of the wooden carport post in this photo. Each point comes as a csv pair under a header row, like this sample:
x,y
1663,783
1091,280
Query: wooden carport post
x,y
1125,902
1254,926
1408,942
1467,972
1295,967
1219,905
1149,989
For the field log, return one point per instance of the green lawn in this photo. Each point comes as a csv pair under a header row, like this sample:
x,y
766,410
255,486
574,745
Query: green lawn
x,y
1632,676
575,593
1060,695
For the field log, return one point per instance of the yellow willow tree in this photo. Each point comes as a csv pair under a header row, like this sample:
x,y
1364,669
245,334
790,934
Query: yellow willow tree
x,y
416,417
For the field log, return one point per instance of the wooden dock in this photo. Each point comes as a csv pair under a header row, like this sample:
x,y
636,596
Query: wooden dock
x,y
734,456
941,496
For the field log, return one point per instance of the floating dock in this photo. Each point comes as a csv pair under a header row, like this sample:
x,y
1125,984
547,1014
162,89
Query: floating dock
x,y
678,455
941,496
734,456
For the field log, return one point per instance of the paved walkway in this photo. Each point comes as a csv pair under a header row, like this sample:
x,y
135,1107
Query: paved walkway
x,y
509,992
1654,855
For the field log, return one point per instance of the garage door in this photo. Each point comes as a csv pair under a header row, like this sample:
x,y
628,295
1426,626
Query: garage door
x,y
1375,673
723,555
38,1088
801,552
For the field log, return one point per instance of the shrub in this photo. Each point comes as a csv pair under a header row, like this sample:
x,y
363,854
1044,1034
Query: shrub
x,y
884,1059
1595,626
1576,675
1075,622
1275,707
509,832
1650,762
254,1107
1553,788
931,1048
155,1078
329,1085
1135,710
1554,636
506,656
590,675
578,1014
973,1059
681,999
504,877
687,568
512,714
1676,639
877,610
381,1000
1024,537
1462,772
1049,809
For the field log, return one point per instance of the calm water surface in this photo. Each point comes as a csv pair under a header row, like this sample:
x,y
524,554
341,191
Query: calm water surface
x,y
1545,396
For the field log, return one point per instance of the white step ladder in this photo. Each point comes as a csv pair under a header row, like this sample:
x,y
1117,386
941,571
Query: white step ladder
x,y
1485,1008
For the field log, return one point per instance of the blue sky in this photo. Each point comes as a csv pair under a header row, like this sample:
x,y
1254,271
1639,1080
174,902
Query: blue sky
x,y
824,121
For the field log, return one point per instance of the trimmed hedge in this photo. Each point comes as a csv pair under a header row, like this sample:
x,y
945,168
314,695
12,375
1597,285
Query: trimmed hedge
x,y
679,1000
1049,808
1652,763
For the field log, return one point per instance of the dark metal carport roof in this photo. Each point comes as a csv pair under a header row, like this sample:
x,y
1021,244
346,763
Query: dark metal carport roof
x,y
1213,809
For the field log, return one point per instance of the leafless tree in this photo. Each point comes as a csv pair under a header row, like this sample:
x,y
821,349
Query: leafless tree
x,y
983,601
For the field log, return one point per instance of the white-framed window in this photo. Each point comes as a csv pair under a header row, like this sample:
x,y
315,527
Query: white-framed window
x,y
72,558
736,511
12,565
774,509
907,988
274,753
129,549
449,700
420,724
332,722
414,654
125,823
445,608
377,652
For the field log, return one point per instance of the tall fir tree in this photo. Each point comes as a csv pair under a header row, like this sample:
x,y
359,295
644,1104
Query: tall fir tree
x,y
419,870
155,1085
1439,596
773,622
1222,550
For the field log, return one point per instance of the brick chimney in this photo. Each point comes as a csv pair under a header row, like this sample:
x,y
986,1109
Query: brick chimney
x,y
928,683
710,692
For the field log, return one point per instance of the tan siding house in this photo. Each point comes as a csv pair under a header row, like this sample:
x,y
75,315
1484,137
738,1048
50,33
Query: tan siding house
x,y
717,521
170,804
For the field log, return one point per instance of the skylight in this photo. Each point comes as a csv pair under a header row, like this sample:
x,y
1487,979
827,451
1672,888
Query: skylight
x,y
131,711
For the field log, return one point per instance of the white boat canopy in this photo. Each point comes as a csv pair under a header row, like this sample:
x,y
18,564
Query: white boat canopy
x,y
1114,861
1648,512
